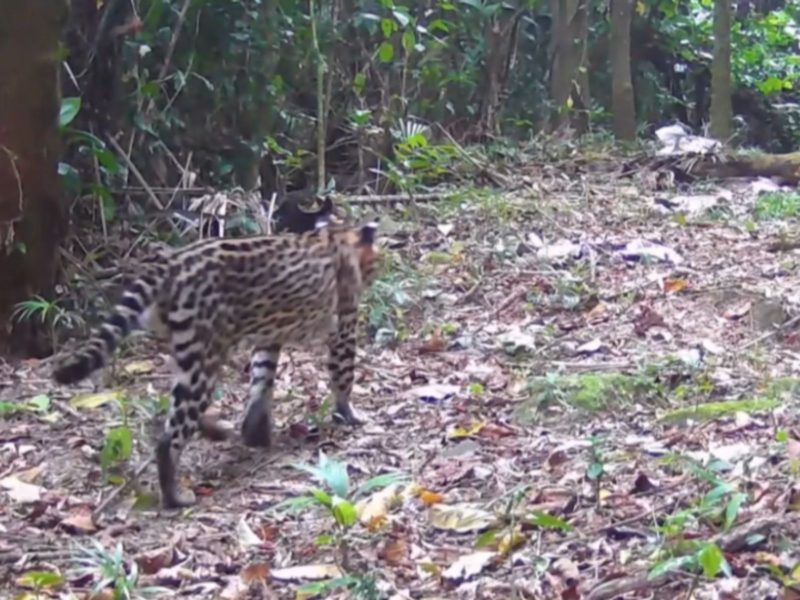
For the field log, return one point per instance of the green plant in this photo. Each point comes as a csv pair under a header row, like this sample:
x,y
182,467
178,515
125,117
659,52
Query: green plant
x,y
110,569
37,404
596,468
777,205
49,312
337,499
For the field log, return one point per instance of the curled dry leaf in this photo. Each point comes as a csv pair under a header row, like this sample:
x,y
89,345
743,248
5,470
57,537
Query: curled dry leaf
x,y
139,367
461,518
247,537
19,491
379,504
307,573
468,566
95,400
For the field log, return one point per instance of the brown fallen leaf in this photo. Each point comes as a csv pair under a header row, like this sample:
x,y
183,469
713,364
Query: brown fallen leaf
x,y
256,572
79,521
153,561
646,319
557,458
436,343
675,285
395,552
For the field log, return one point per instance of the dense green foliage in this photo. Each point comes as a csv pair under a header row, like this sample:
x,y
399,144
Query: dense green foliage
x,y
234,82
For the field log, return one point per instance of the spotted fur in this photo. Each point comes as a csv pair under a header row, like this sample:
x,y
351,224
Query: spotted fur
x,y
276,291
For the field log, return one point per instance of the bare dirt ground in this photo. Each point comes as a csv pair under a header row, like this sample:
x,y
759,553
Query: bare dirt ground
x,y
534,376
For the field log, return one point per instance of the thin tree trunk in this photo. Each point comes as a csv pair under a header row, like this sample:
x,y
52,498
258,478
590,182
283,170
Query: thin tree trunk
x,y
569,89
32,214
721,109
622,101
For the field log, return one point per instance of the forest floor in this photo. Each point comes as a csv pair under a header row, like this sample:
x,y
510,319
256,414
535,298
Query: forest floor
x,y
587,382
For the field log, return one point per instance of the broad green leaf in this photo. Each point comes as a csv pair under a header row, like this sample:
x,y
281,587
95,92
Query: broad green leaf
x,y
409,41
543,519
118,446
402,18
387,27
41,579
322,497
386,52
344,512
486,538
671,564
710,558
40,402
732,509
334,474
69,110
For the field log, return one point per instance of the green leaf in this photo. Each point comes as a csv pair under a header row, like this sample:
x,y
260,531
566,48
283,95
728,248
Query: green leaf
x,y
344,512
359,82
486,538
402,18
9,408
711,559
380,481
324,539
732,509
40,402
334,474
322,497
118,446
386,52
595,470
69,110
70,178
387,27
41,579
294,504
409,41
672,564
548,521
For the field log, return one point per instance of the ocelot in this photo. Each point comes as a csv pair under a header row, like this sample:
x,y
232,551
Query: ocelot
x,y
288,290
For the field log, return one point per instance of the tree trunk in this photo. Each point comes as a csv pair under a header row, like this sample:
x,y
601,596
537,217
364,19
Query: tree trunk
x,y
622,101
569,89
32,215
721,109
500,44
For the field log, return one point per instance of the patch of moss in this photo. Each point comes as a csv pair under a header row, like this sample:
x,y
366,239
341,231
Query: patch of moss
x,y
715,410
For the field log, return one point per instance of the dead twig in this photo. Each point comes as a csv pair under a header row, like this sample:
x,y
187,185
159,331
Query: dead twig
x,y
784,326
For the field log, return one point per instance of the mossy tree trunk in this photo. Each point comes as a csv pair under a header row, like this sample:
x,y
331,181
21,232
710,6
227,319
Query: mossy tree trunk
x,y
569,80
721,109
32,215
622,100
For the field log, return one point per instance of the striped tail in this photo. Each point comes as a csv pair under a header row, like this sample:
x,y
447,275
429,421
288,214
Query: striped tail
x,y
94,353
